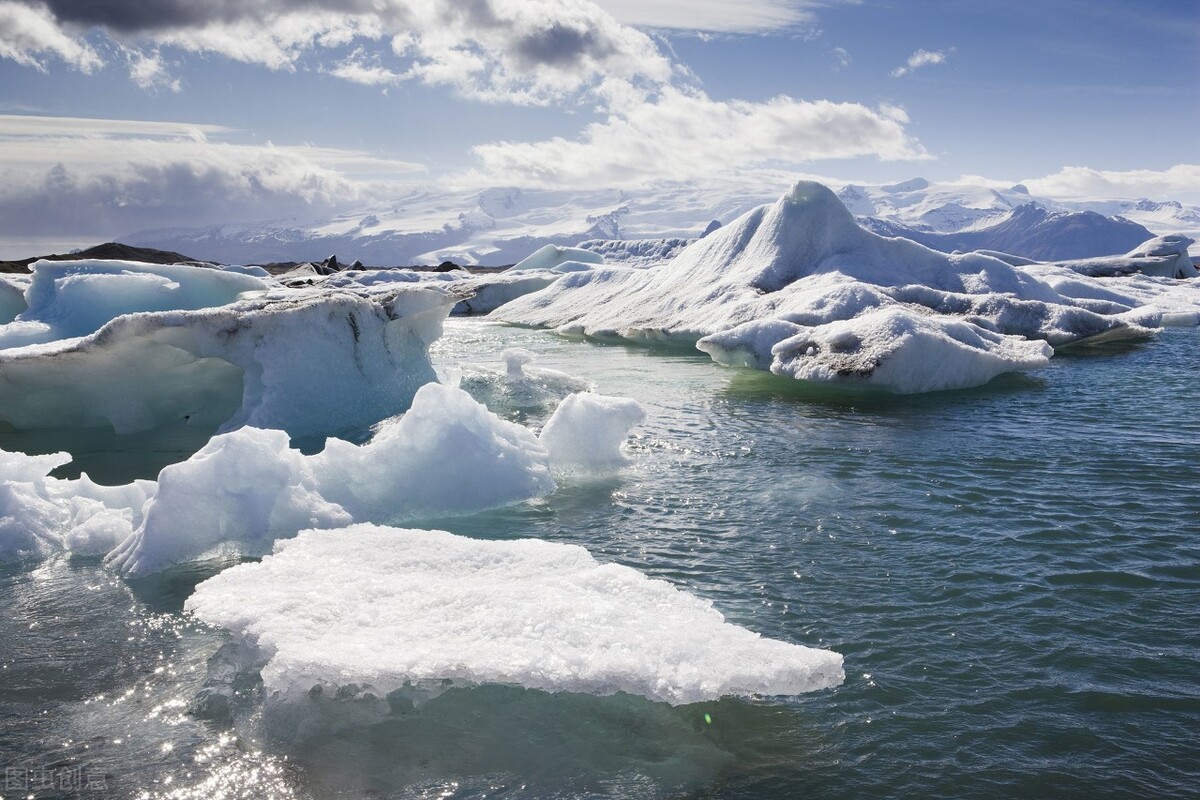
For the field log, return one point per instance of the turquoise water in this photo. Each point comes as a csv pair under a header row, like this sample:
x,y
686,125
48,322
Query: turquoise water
x,y
1012,574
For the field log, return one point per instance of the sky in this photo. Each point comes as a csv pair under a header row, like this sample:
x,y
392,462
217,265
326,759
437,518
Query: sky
x,y
123,115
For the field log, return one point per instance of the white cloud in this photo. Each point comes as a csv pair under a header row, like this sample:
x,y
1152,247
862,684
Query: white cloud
x,y
841,59
110,177
29,32
520,51
921,58
19,125
685,135
1180,182
362,69
714,16
148,71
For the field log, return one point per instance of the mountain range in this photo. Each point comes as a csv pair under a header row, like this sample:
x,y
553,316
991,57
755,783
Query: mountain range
x,y
503,225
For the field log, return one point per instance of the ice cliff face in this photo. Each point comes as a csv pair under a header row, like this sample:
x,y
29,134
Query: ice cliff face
x,y
801,271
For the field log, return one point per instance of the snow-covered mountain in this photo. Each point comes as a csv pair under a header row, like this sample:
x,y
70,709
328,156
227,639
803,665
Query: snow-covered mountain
x,y
489,227
1030,231
503,225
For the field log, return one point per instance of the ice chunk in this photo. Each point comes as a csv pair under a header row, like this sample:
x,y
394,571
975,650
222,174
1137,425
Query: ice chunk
x,y
482,294
40,515
587,431
389,607
309,362
892,349
448,455
520,387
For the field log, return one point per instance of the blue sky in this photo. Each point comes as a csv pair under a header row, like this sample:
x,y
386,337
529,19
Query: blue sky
x,y
278,107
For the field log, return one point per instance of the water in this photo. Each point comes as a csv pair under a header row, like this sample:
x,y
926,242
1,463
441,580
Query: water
x,y
1012,574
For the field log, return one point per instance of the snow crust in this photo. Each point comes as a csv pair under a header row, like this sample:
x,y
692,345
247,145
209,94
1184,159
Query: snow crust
x,y
391,608
867,308
312,363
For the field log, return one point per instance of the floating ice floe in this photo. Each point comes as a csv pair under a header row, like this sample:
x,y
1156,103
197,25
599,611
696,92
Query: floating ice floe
x,y
797,287
388,608
310,362
587,430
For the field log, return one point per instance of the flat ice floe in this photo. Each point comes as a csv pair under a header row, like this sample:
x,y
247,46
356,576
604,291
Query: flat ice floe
x,y
801,271
389,607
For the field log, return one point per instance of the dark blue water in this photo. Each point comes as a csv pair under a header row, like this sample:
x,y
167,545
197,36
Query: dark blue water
x,y
1012,574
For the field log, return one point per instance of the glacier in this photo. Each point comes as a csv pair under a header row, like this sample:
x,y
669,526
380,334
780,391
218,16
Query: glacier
x,y
386,609
798,288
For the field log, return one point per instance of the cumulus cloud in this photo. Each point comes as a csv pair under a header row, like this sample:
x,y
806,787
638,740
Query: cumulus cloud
x,y
30,33
685,135
110,177
921,58
522,51
149,72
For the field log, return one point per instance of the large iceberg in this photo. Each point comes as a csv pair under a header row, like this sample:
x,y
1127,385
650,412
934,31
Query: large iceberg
x,y
310,362
388,609
799,288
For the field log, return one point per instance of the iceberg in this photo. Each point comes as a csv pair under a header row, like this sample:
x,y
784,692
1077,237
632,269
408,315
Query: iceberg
x,y
309,362
66,299
447,455
553,256
247,489
387,609
797,287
